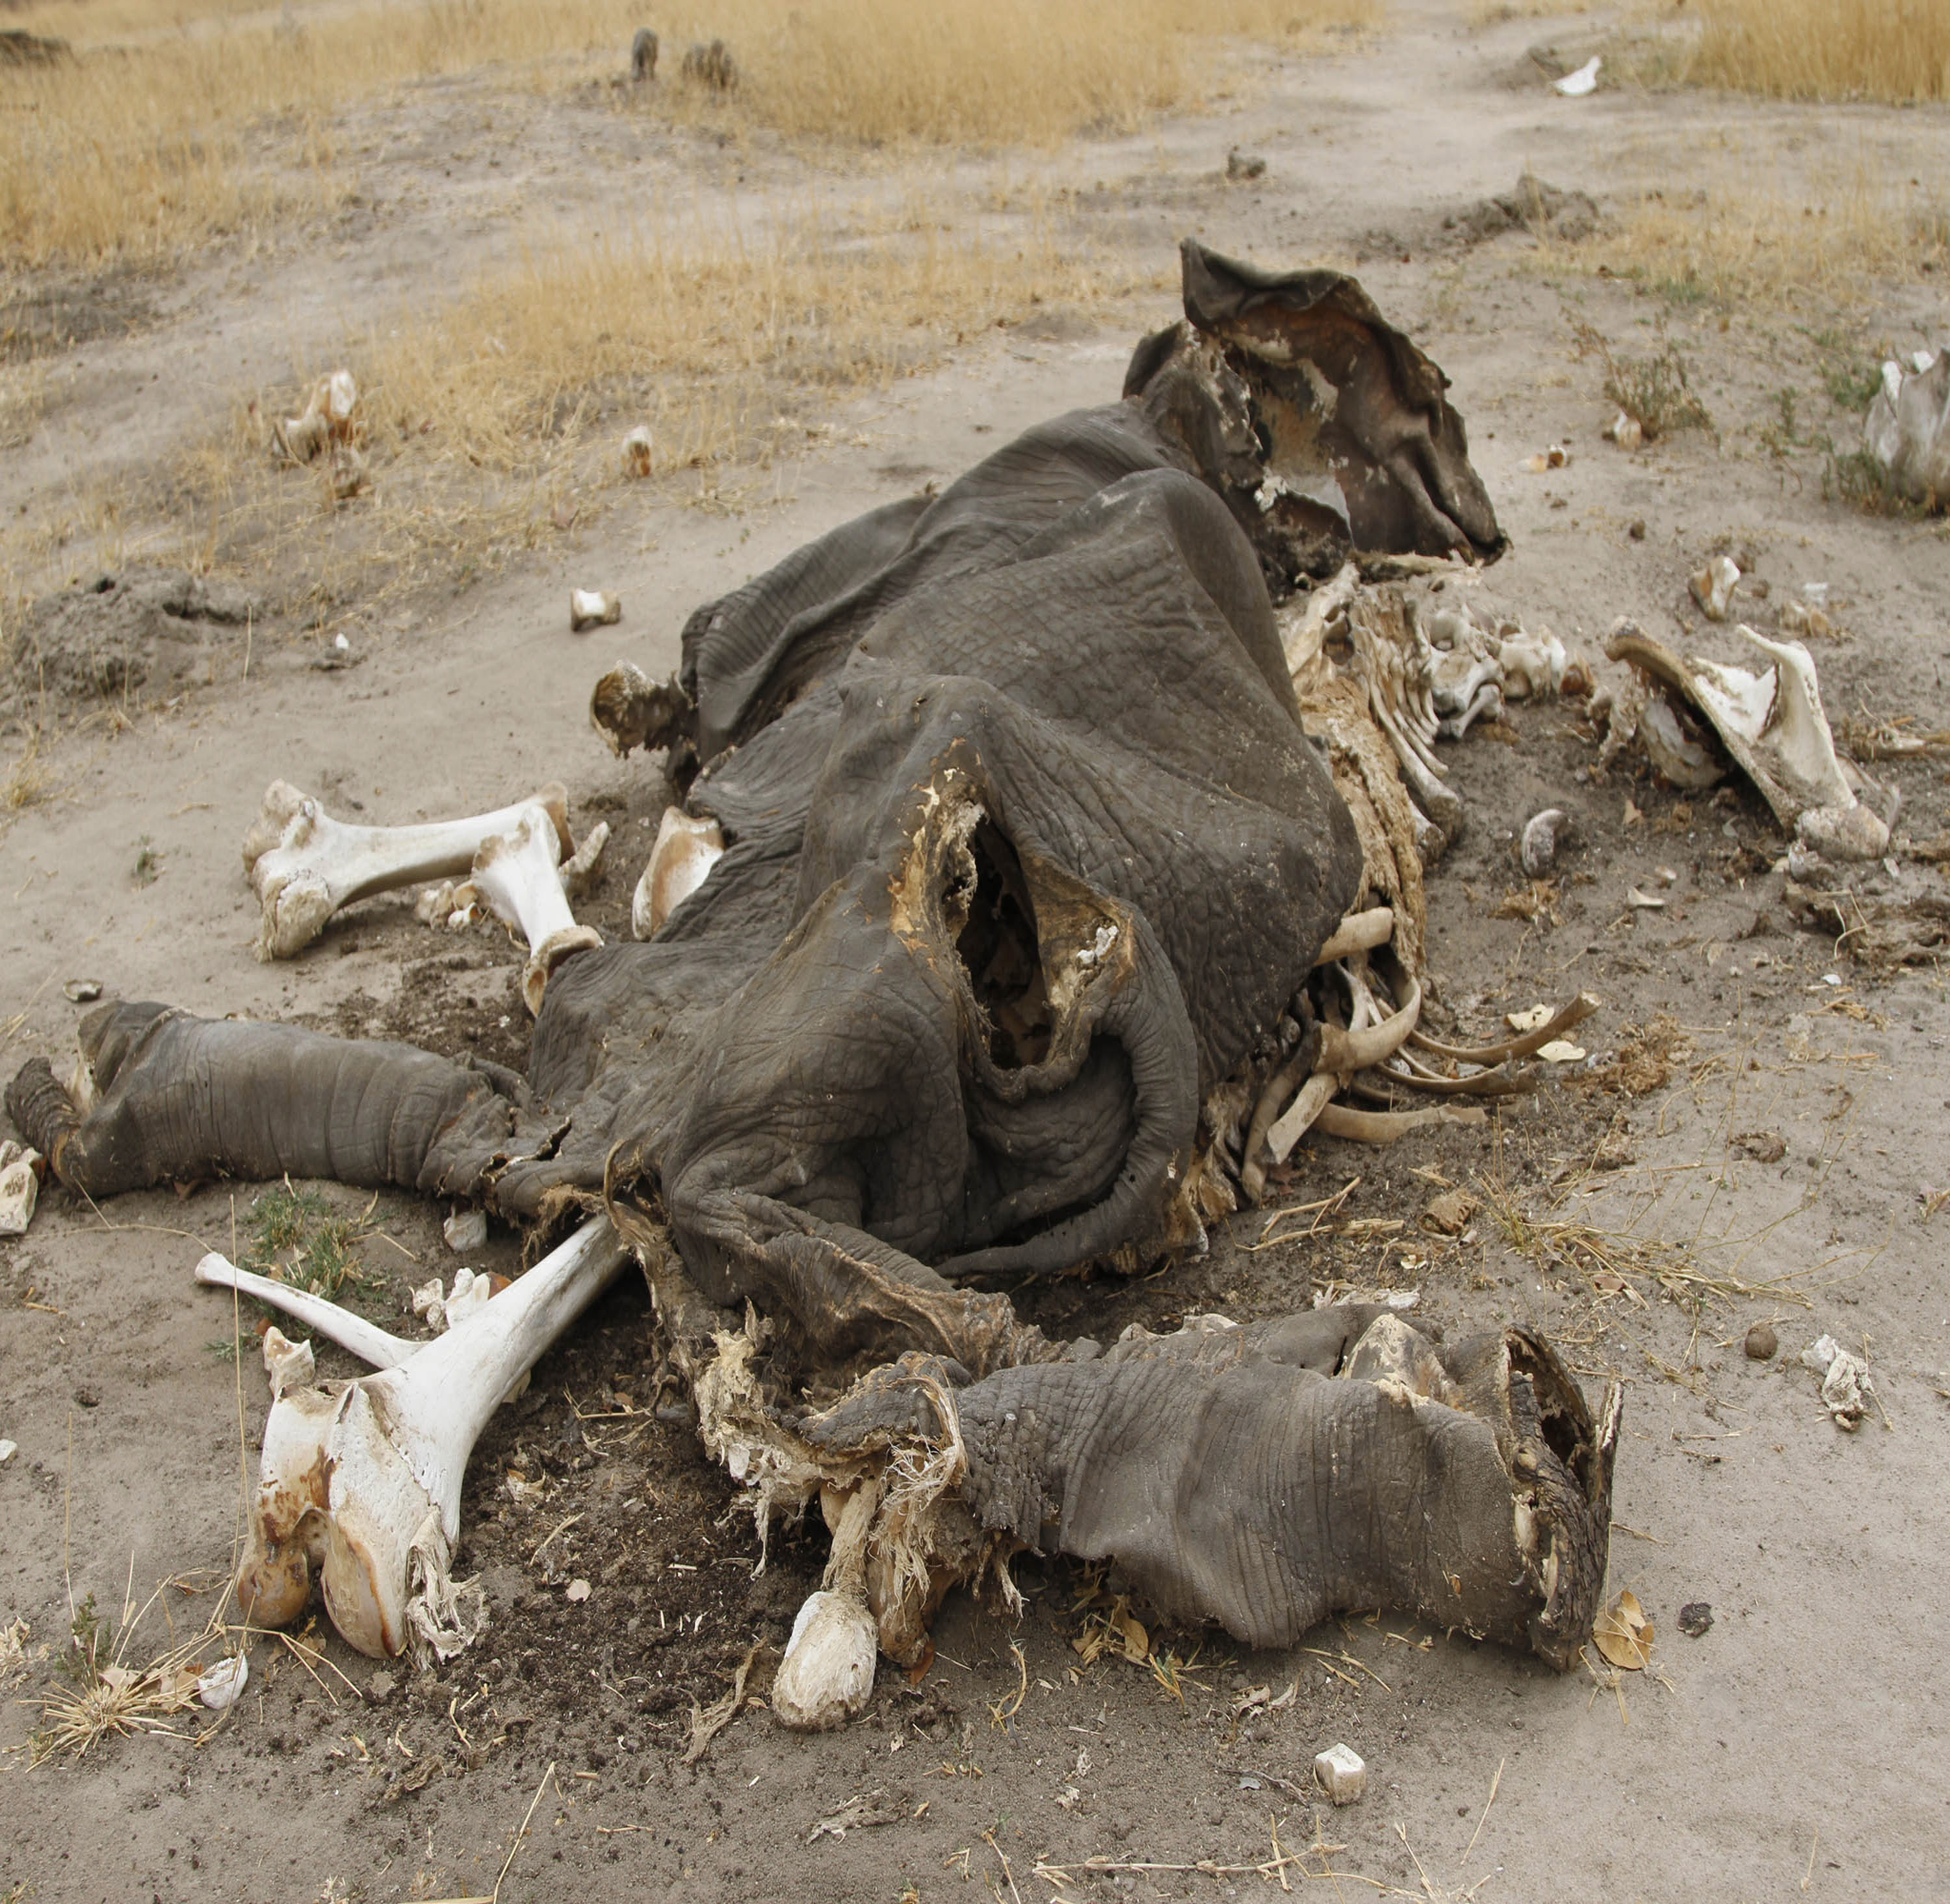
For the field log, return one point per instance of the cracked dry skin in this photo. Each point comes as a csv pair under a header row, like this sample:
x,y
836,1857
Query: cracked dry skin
x,y
1026,852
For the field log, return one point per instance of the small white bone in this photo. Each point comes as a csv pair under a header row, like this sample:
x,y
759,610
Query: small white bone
x,y
685,851
518,877
1532,665
303,865
1488,706
360,1486
1713,586
20,1188
289,1364
828,1671
591,608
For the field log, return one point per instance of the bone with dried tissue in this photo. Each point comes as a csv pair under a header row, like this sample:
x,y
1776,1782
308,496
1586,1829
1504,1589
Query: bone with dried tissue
x,y
303,865
1846,1386
591,608
686,850
519,878
20,1187
636,451
1712,587
360,1482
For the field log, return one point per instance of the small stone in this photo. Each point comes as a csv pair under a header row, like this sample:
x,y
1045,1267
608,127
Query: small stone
x,y
1695,1618
578,1592
1761,1343
1638,530
380,1687
1341,1773
7,1451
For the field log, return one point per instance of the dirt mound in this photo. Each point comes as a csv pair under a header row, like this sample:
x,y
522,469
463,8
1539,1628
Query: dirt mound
x,y
1533,206
154,628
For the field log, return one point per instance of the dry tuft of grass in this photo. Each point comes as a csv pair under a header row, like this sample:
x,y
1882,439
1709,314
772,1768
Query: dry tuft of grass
x,y
28,780
1833,246
1893,51
142,146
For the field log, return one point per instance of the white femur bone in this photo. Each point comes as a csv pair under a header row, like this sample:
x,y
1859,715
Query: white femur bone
x,y
360,1483
518,877
685,851
303,865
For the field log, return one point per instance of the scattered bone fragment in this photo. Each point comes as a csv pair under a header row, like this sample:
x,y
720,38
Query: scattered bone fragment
x,y
1772,726
7,1451
1846,1386
1805,618
20,1187
1576,85
637,447
360,1483
591,608
643,56
1555,457
327,419
828,1673
303,865
223,1685
1712,587
1761,1342
1907,430
1531,664
465,1231
1532,1018
519,878
686,850
1560,1051
1448,1214
452,903
289,1364
1625,431
1543,834
1674,745
471,1292
1341,1774
82,991
1642,901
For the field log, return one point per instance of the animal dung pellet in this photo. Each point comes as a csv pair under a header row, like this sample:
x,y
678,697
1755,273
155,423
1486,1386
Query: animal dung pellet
x,y
466,1231
1761,1343
590,609
1341,1773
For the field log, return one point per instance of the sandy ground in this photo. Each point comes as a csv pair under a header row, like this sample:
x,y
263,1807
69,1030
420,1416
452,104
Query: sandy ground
x,y
1797,1747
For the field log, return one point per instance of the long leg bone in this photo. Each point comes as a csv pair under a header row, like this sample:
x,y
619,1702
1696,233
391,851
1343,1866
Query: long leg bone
x,y
366,1341
303,865
518,877
361,1486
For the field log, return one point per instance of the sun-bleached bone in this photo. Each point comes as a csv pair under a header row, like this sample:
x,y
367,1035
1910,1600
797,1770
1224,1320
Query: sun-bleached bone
x,y
1681,757
303,865
457,904
518,876
686,850
366,1341
1488,706
1358,932
360,1483
20,1187
592,609
1531,664
287,1364
1774,726
1712,587
1907,429
326,419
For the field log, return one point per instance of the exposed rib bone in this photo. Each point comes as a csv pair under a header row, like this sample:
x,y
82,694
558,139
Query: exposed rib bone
x,y
1385,1126
303,865
518,878
360,1485
1300,1116
1344,1053
685,851
1358,932
1575,1013
1486,706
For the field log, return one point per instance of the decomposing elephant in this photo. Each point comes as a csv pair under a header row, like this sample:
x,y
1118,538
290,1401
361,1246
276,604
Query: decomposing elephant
x,y
992,918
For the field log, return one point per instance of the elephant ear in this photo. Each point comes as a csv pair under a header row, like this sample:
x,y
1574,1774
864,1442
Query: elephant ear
x,y
1340,401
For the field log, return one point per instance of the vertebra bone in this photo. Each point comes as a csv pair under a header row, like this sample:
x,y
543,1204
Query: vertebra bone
x,y
303,865
360,1485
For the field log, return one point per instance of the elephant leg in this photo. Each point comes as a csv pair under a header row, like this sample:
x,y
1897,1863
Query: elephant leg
x,y
173,1099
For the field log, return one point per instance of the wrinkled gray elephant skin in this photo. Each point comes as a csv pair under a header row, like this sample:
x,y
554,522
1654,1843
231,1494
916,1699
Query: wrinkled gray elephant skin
x,y
1026,852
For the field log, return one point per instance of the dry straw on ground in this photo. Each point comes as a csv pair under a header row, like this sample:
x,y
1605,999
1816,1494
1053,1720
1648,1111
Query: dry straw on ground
x,y
1896,50
144,143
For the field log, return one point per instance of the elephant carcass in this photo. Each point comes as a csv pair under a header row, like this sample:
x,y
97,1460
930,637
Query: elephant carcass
x,y
1025,852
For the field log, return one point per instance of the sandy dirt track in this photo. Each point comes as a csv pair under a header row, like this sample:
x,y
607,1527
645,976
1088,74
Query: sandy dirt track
x,y
1796,1749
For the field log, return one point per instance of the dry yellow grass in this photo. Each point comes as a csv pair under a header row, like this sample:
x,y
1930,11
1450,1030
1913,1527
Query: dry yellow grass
x,y
145,144
1829,247
494,423
1896,51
